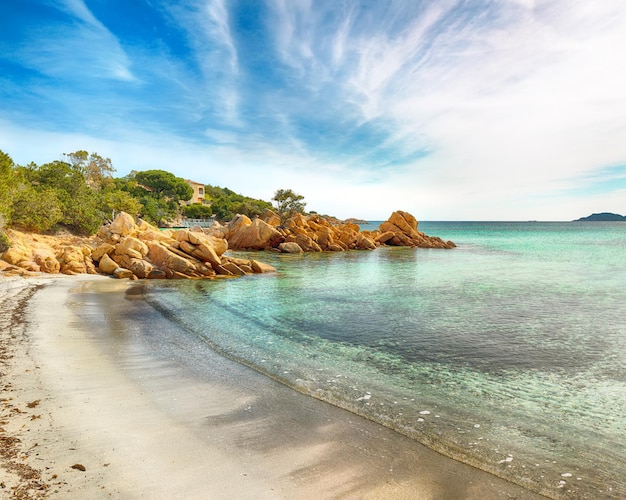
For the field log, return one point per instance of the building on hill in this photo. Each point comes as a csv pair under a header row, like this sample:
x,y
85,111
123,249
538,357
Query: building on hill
x,y
198,192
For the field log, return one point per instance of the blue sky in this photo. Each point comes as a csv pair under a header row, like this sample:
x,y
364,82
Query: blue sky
x,y
451,110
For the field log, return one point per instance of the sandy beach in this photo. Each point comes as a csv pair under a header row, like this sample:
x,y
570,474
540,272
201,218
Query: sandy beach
x,y
93,408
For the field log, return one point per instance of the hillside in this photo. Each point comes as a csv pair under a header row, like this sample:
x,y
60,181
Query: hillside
x,y
602,217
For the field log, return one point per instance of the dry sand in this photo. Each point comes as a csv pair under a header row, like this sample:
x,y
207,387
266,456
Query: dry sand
x,y
85,385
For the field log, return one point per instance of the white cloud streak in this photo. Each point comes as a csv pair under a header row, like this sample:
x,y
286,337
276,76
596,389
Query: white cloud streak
x,y
505,107
81,48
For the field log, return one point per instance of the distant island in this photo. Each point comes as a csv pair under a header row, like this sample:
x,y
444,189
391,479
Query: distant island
x,y
602,217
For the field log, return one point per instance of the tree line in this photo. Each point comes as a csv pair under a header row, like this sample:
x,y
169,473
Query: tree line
x,y
80,193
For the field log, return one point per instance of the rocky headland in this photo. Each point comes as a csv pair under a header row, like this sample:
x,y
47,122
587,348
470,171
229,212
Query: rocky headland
x,y
602,217
137,250
314,233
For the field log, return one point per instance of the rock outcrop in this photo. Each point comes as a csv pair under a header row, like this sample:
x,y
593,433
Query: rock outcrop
x,y
244,233
314,233
300,233
401,230
125,249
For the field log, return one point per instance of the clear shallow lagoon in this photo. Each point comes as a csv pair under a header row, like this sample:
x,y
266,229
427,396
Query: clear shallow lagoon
x,y
508,352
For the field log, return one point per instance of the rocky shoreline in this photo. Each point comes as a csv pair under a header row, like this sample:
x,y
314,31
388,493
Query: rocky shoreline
x,y
137,250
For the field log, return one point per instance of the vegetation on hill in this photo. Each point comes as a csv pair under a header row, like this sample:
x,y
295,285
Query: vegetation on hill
x,y
225,204
602,217
79,193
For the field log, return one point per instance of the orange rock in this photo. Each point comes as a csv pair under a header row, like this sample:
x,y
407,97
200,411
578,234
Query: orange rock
x,y
364,243
123,224
104,248
401,230
257,234
290,247
261,267
168,260
107,265
132,247
47,261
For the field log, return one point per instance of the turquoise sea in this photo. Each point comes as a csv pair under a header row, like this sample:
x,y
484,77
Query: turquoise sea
x,y
507,353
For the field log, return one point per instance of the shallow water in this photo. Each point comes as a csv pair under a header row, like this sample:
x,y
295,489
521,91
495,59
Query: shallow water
x,y
508,352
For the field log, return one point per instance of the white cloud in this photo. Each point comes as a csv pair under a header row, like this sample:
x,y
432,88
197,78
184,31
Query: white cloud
x,y
82,47
518,109
506,109
293,31
206,24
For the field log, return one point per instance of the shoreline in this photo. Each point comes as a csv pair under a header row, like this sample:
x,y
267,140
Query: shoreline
x,y
174,419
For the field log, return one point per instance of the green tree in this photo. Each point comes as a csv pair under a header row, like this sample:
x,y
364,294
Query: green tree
x,y
159,193
57,175
7,181
98,171
252,208
156,211
223,208
112,201
79,203
64,184
225,203
197,211
162,185
287,203
36,209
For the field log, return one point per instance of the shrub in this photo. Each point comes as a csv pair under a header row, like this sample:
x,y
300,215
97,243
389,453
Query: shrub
x,y
36,210
4,242
197,211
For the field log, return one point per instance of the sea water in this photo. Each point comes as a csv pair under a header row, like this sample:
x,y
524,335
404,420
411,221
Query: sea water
x,y
507,352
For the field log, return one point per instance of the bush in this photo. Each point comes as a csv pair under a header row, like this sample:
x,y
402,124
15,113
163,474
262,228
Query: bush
x,y
36,210
197,211
4,242
113,201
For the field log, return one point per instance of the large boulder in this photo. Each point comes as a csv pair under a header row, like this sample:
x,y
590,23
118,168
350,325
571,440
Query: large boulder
x,y
385,237
220,245
167,260
107,265
202,252
307,243
271,217
255,235
18,252
324,236
123,224
132,247
122,273
73,261
47,261
290,247
401,230
261,267
401,223
101,250
364,243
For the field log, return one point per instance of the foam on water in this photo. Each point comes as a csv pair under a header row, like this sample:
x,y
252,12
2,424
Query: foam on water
x,y
507,353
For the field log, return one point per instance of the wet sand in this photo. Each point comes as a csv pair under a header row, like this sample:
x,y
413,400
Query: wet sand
x,y
95,379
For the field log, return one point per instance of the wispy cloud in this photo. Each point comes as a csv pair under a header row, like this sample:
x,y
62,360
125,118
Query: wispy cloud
x,y
206,25
76,47
448,108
